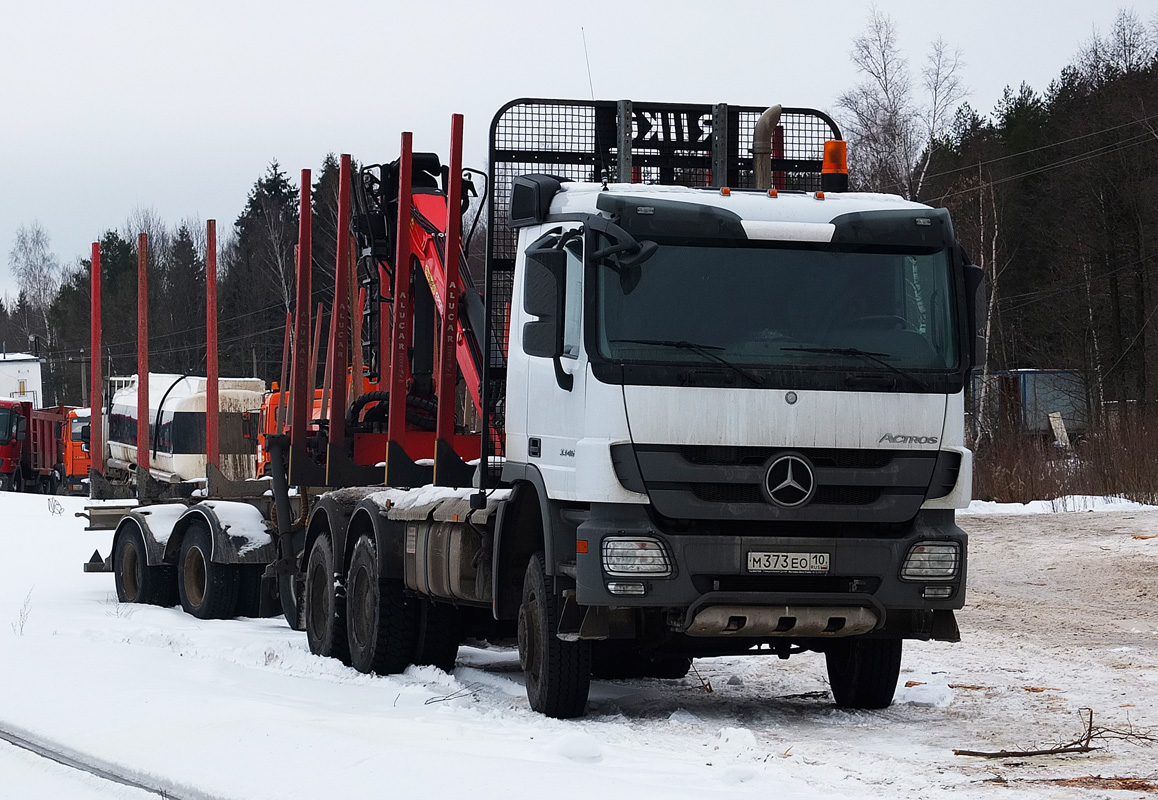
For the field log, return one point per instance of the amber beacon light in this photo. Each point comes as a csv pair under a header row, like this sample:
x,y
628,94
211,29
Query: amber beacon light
x,y
834,169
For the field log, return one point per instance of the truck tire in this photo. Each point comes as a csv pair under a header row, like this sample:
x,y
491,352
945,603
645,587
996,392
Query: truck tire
x,y
324,602
208,590
558,673
439,634
136,581
16,482
290,591
383,622
862,673
249,590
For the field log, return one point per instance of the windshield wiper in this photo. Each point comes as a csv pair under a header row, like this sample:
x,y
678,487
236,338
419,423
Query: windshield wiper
x,y
876,358
702,349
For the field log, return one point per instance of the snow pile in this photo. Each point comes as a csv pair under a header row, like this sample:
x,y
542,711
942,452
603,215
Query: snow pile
x,y
240,708
1059,505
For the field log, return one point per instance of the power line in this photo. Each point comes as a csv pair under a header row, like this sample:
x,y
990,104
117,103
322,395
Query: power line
x,y
1046,146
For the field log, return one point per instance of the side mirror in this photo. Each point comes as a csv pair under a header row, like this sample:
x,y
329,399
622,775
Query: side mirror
x,y
85,434
976,298
248,428
21,428
546,268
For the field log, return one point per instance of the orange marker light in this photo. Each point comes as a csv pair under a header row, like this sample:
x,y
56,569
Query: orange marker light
x,y
725,191
835,157
581,546
820,195
773,193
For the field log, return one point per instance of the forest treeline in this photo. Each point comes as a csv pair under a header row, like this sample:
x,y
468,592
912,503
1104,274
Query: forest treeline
x,y
1052,192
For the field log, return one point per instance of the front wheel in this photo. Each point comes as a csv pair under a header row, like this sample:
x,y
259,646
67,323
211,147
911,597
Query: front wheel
x,y
558,673
863,672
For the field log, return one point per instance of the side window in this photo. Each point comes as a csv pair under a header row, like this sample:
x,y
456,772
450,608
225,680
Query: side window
x,y
573,313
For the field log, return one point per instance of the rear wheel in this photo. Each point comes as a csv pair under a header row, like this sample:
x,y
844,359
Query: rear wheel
x,y
558,673
249,590
383,621
16,482
439,632
208,590
136,581
324,602
863,672
290,591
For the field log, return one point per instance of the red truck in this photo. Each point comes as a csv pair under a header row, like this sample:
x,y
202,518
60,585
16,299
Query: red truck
x,y
31,447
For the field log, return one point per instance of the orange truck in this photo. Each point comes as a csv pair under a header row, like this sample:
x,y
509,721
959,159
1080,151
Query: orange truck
x,y
75,452
31,447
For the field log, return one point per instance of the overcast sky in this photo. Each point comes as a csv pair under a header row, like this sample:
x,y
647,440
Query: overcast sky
x,y
179,106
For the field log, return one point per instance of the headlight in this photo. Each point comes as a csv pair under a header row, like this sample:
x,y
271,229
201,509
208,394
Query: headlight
x,y
627,556
931,561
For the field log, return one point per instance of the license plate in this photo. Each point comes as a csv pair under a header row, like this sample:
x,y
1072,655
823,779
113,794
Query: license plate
x,y
805,563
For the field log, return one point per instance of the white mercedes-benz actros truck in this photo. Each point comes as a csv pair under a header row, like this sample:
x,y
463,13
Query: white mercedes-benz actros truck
x,y
733,408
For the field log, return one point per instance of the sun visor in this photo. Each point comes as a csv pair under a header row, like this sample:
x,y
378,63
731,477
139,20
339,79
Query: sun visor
x,y
647,218
923,227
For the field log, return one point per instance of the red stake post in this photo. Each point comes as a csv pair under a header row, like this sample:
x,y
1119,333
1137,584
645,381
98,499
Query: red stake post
x,y
303,395
212,398
403,314
96,444
447,363
340,313
143,415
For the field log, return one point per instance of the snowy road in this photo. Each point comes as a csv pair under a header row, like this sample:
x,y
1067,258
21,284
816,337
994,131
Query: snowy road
x,y
1062,615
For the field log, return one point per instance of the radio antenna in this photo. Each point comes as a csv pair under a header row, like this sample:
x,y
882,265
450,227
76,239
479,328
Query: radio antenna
x,y
591,85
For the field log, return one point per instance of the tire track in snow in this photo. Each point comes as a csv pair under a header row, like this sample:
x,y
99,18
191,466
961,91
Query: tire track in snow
x,y
99,768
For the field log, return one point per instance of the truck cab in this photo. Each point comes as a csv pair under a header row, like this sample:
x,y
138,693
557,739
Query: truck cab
x,y
76,452
13,432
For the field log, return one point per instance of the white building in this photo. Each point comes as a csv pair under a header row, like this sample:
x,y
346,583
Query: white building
x,y
20,378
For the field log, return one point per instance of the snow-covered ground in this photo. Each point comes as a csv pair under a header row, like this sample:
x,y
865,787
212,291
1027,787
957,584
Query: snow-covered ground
x,y
1061,616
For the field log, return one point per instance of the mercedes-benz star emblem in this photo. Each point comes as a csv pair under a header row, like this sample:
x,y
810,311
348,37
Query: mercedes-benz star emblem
x,y
790,481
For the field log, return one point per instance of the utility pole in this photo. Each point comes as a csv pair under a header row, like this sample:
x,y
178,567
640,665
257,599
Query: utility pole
x,y
83,361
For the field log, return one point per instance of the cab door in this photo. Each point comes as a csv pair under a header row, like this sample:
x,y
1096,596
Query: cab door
x,y
556,386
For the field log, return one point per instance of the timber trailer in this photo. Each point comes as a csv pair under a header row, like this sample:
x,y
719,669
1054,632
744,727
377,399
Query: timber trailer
x,y
719,403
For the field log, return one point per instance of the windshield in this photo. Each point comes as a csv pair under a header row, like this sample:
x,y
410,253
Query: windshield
x,y
5,425
777,307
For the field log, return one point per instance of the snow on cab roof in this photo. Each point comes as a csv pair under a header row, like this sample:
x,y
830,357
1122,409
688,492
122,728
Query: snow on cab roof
x,y
754,205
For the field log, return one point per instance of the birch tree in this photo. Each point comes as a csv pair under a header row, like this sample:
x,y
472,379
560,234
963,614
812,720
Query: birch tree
x,y
37,271
891,130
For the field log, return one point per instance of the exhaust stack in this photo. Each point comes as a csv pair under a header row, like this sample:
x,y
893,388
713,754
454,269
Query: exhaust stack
x,y
762,146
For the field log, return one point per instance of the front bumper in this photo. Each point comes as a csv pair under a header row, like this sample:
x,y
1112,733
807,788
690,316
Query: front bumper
x,y
710,588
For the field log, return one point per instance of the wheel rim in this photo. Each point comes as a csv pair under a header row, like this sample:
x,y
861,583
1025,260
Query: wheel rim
x,y
130,572
194,576
360,606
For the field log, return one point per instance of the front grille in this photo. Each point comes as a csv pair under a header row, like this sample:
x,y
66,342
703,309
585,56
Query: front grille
x,y
728,492
846,495
735,456
751,493
726,482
